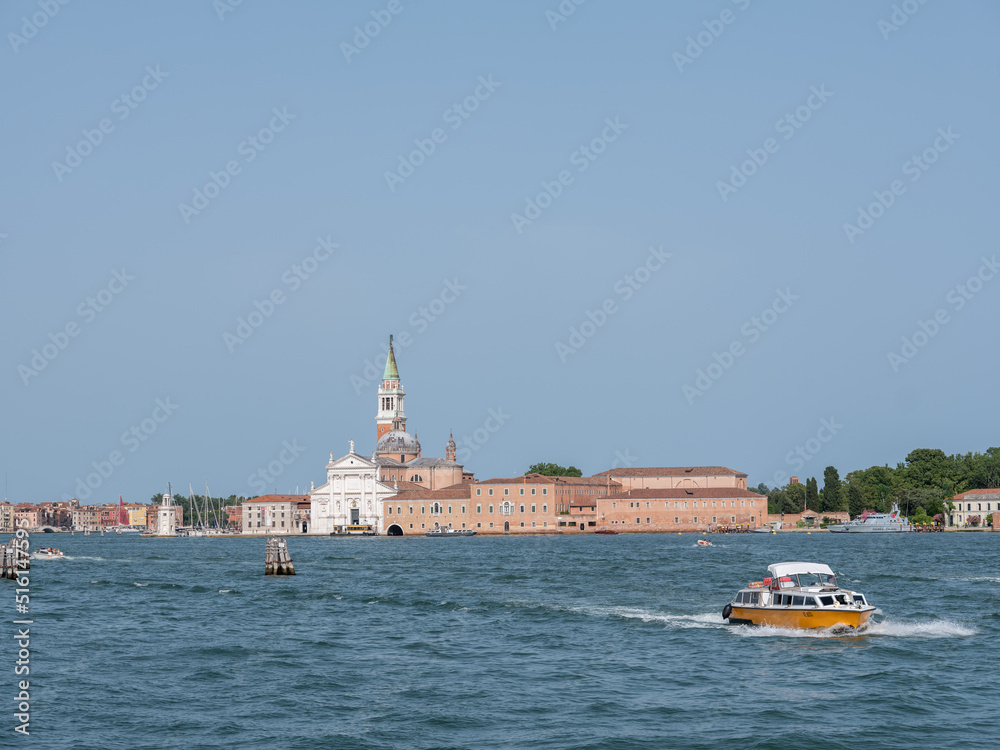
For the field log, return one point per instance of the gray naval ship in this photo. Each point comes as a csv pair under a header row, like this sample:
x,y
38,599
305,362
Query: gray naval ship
x,y
869,521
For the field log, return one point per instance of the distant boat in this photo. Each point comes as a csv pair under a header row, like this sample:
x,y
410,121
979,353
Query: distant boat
x,y
449,531
705,543
870,521
769,529
605,531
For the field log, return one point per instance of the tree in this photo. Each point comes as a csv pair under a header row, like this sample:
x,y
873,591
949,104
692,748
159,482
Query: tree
x,y
832,499
812,495
554,470
855,500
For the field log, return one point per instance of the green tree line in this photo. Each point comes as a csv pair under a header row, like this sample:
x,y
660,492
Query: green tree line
x,y
922,485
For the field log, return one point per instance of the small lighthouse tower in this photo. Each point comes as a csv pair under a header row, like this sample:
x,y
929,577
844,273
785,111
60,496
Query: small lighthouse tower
x,y
166,524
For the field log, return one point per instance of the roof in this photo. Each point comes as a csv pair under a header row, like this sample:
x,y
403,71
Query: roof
x,y
791,568
391,371
994,491
671,471
543,479
278,499
461,493
683,493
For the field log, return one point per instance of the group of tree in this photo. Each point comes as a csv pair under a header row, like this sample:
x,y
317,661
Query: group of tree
x,y
554,470
922,485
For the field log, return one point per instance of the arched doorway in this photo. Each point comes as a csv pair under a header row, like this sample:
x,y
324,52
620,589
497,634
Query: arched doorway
x,y
394,530
305,527
506,527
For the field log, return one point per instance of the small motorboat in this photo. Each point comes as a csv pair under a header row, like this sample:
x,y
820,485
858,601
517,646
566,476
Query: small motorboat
x,y
47,553
798,595
705,543
607,532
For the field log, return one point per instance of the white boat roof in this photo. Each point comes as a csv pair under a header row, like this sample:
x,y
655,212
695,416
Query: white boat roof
x,y
793,568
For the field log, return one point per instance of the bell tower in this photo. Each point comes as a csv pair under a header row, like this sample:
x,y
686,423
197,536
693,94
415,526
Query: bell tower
x,y
391,415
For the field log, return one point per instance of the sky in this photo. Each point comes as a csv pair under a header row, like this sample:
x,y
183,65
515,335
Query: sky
x,y
746,234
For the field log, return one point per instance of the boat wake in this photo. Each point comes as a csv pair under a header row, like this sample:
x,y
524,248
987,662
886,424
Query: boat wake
x,y
885,628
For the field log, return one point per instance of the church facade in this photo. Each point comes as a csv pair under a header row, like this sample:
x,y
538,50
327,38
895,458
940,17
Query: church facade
x,y
356,485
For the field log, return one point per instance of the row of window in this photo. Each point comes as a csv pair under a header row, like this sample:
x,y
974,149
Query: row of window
x,y
437,509
506,490
677,520
677,504
979,506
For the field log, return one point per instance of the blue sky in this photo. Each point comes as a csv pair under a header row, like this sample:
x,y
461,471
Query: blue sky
x,y
621,229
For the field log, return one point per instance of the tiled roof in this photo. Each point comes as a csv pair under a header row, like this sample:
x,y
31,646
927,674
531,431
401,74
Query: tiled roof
x,y
994,491
542,479
672,471
278,499
424,494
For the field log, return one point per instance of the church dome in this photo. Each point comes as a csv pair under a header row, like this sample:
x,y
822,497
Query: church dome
x,y
398,441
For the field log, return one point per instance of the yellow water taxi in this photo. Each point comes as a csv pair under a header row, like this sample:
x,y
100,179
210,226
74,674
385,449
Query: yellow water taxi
x,y
798,595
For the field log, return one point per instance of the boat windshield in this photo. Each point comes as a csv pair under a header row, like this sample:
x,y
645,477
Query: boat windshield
x,y
820,580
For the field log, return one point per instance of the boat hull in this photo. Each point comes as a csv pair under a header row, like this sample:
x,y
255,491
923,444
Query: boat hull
x,y
812,618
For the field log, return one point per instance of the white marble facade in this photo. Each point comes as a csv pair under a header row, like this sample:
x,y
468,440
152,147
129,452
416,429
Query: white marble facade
x,y
351,496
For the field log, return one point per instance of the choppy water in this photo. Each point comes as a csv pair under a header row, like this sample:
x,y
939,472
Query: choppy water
x,y
548,642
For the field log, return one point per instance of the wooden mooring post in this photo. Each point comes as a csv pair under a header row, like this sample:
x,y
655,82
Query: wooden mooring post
x,y
277,560
14,557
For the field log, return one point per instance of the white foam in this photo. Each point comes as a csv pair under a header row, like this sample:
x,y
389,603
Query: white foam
x,y
886,628
140,585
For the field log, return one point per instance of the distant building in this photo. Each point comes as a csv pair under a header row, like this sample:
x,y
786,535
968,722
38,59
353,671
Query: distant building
x,y
676,477
974,503
281,515
26,516
6,518
682,509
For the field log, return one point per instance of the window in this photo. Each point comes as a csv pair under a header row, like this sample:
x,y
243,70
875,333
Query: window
x,y
411,513
545,490
713,503
532,507
522,524
506,491
637,520
423,509
479,509
491,508
416,478
677,519
479,526
545,507
614,505
506,507
449,509
751,503
491,524
490,491
532,490
390,510
797,601
734,519
713,519
522,490
532,524
399,510
647,519
479,490
696,519
522,507
647,505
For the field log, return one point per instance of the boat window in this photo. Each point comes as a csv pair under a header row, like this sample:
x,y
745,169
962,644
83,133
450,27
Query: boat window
x,y
797,601
810,601
826,601
859,598
754,597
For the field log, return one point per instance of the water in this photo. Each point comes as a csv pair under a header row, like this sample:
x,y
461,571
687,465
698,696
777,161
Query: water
x,y
547,642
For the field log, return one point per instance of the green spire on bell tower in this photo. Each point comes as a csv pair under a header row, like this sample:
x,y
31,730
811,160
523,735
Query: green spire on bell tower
x,y
391,373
